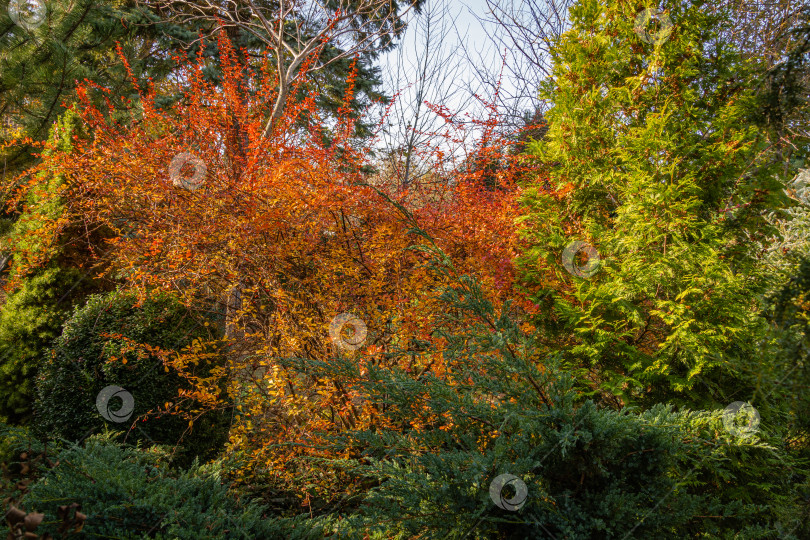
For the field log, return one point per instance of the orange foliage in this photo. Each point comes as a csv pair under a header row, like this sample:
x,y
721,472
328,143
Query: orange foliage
x,y
286,222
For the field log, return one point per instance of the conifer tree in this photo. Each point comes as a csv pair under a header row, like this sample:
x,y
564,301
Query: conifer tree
x,y
40,64
651,160
46,281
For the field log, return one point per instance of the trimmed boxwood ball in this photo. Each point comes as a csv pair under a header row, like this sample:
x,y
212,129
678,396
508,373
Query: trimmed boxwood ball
x,y
79,367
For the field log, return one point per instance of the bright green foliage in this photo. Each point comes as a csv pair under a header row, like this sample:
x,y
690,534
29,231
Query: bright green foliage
x,y
29,322
80,367
33,239
32,316
130,493
652,162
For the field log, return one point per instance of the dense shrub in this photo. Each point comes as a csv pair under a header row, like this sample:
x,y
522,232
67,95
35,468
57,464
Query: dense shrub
x,y
590,472
45,278
30,320
82,364
783,380
130,493
667,184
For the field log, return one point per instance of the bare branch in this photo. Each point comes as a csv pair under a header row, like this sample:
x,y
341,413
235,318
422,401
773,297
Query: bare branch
x,y
294,30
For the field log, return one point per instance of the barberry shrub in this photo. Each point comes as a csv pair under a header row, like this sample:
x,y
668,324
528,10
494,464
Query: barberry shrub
x,y
430,462
279,227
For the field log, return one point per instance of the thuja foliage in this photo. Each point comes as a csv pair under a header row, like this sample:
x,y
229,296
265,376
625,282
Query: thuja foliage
x,y
788,309
133,493
44,281
652,160
425,466
29,322
784,105
92,353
